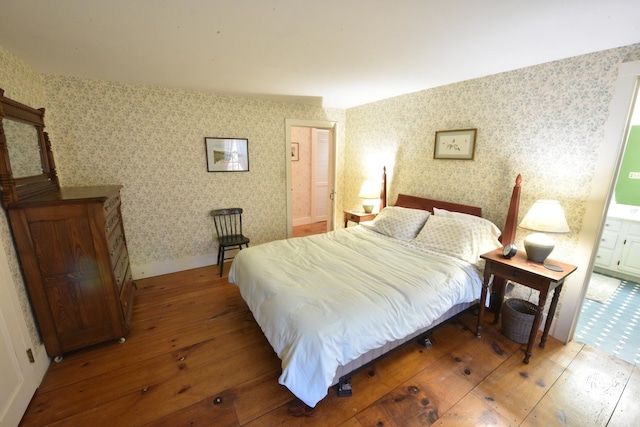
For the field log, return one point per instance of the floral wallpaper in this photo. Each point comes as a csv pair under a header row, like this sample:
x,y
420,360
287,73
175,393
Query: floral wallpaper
x,y
545,122
151,141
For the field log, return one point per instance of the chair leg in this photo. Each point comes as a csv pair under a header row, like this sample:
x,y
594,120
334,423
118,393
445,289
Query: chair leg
x,y
220,259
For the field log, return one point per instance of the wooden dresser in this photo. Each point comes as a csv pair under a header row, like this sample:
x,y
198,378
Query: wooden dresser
x,y
74,258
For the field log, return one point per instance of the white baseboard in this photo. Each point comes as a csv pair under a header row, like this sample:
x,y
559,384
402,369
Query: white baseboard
x,y
173,266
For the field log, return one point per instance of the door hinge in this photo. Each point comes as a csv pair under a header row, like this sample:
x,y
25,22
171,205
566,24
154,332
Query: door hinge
x,y
30,356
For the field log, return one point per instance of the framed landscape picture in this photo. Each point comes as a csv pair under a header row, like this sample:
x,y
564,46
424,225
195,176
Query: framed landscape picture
x,y
227,154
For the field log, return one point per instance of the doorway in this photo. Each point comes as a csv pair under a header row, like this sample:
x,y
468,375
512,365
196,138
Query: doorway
x,y
610,312
602,187
310,174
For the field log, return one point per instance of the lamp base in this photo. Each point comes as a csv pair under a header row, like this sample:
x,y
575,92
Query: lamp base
x,y
553,267
367,208
538,246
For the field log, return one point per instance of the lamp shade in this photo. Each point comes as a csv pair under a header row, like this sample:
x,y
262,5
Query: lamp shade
x,y
370,192
545,216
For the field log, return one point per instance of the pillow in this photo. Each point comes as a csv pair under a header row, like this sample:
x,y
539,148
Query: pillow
x,y
492,227
457,237
399,223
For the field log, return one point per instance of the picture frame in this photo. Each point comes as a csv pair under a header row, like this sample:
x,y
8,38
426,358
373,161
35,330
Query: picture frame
x,y
295,151
227,154
457,144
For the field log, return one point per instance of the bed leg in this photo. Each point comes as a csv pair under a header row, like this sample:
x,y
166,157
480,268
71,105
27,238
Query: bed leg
x,y
344,387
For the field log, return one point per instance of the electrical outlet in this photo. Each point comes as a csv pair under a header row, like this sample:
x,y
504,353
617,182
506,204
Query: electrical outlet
x,y
634,175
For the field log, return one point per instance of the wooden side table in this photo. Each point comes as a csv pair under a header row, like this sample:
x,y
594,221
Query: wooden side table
x,y
357,217
528,273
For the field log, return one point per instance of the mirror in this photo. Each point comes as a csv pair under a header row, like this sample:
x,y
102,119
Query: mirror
x,y
27,168
24,148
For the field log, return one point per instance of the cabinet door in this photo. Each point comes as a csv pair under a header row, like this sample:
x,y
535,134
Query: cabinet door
x,y
630,260
71,277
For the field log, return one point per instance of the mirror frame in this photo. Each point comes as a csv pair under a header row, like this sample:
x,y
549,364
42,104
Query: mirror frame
x,y
17,189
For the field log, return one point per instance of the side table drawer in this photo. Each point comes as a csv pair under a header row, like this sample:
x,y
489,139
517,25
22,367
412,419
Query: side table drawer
x,y
516,275
348,216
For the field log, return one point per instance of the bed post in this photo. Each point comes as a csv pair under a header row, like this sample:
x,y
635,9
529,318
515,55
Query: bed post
x,y
509,232
383,189
508,236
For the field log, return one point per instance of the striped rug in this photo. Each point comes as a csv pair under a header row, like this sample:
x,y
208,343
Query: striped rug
x,y
613,326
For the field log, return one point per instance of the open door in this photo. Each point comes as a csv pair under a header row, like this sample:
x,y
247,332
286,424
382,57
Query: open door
x,y
310,166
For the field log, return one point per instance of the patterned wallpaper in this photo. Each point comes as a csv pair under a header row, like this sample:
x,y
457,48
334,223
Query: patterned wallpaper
x,y
151,141
545,122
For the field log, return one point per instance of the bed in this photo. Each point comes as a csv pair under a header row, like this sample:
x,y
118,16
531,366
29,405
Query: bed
x,y
331,303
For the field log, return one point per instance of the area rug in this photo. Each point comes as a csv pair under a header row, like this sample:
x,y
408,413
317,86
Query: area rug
x,y
601,287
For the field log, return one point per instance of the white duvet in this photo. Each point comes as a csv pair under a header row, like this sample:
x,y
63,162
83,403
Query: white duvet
x,y
324,300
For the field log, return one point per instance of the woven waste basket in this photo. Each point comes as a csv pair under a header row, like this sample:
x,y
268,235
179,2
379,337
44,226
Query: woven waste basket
x,y
517,319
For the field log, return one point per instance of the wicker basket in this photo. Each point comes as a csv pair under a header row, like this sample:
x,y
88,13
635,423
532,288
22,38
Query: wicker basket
x,y
517,319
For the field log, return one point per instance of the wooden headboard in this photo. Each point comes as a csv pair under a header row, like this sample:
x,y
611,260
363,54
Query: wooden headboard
x,y
509,230
414,202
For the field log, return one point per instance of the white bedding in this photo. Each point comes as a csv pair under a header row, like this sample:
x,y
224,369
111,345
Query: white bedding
x,y
371,290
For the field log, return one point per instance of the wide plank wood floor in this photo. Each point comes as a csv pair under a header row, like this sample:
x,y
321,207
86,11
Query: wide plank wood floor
x,y
196,357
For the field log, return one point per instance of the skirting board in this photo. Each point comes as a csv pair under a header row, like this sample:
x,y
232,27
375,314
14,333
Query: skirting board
x,y
173,266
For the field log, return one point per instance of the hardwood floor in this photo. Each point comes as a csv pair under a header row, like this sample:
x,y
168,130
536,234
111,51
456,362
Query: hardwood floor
x,y
309,229
196,357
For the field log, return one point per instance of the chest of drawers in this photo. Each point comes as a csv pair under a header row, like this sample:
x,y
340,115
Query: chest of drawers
x,y
74,258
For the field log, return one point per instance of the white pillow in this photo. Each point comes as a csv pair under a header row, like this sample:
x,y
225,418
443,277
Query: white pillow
x,y
399,223
457,237
492,227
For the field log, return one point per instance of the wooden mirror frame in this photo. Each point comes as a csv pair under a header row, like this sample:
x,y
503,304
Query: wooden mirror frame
x,y
17,189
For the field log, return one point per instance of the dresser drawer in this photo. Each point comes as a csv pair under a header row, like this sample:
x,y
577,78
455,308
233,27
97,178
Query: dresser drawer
x,y
116,243
127,296
121,269
604,256
111,222
612,225
111,204
609,239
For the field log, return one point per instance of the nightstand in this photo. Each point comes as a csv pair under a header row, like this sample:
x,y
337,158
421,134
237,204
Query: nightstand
x,y
357,217
527,273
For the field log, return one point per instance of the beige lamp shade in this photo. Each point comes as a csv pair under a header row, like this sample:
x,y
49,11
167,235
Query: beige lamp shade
x,y
369,193
546,216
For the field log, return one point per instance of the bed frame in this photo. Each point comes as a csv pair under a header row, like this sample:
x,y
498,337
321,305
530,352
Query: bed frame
x,y
344,373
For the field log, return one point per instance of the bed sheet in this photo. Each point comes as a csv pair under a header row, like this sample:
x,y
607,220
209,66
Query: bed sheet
x,y
324,300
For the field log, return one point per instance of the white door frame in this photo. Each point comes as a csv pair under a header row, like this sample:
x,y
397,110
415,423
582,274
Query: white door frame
x,y
602,188
14,339
331,126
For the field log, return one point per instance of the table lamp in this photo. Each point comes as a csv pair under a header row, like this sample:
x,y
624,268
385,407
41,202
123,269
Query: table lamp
x,y
369,193
545,216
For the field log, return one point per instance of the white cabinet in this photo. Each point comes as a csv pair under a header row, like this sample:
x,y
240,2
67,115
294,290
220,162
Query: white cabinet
x,y
619,249
630,258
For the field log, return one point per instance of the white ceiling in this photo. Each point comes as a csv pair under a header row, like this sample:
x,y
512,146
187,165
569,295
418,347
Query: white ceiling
x,y
341,53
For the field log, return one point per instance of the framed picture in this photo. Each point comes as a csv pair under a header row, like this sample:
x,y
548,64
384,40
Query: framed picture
x,y
295,151
455,144
227,154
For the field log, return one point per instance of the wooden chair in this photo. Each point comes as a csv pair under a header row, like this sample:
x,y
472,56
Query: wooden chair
x,y
228,223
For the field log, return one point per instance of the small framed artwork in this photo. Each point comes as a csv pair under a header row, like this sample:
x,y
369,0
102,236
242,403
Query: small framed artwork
x,y
455,144
227,154
295,151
